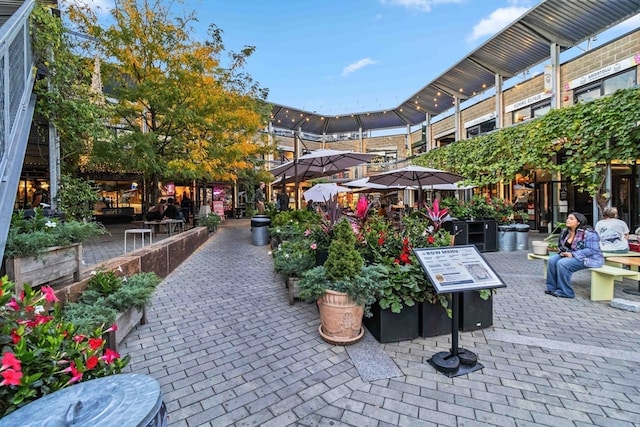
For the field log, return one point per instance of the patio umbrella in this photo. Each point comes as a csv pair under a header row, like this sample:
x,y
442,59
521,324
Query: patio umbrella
x,y
321,163
415,176
320,192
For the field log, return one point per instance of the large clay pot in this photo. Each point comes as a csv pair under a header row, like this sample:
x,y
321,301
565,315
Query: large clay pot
x,y
341,318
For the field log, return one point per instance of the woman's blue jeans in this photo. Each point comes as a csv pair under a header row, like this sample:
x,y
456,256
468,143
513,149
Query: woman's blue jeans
x,y
559,271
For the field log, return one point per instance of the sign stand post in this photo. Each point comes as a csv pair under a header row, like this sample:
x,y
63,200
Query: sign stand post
x,y
456,269
458,361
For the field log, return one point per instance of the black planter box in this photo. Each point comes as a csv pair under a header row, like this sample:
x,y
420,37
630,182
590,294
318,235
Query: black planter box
x,y
433,320
321,257
475,313
387,326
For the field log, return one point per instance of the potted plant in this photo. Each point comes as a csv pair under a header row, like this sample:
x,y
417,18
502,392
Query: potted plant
x,y
40,249
549,243
43,352
110,299
398,312
210,220
344,287
292,258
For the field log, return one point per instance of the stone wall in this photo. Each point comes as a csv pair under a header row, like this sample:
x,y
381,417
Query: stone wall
x,y
161,257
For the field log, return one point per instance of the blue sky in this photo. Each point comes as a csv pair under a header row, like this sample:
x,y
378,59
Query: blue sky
x,y
344,56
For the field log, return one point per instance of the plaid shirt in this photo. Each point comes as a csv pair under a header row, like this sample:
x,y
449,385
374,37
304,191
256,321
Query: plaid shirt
x,y
585,247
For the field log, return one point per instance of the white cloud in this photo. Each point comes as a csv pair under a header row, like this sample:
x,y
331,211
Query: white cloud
x,y
499,19
419,5
357,65
100,7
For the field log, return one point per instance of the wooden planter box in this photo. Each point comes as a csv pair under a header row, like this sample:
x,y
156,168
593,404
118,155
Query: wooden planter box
x,y
125,322
387,326
58,262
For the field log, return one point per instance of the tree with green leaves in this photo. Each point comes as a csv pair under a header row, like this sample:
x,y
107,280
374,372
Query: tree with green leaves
x,y
185,113
64,93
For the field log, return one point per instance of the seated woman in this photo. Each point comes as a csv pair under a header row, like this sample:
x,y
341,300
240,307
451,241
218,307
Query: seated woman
x,y
156,213
613,232
579,247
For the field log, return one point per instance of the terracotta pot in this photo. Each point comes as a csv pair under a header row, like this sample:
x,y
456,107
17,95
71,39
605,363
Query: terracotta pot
x,y
341,318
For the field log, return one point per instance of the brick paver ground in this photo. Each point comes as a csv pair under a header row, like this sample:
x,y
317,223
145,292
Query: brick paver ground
x,y
228,349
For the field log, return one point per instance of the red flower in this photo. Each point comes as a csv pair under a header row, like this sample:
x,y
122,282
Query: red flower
x,y
79,338
15,338
95,343
430,239
11,377
404,258
92,362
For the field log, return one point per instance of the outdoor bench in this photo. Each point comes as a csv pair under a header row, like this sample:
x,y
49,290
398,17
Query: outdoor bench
x,y
602,278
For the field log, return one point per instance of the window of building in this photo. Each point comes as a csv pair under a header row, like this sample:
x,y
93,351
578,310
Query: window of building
x,y
531,112
481,129
606,86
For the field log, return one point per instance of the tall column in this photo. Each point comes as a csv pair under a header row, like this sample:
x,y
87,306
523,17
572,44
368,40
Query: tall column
x,y
556,89
499,103
456,118
54,165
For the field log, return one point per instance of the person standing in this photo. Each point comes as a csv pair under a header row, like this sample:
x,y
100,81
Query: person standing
x,y
579,247
283,201
260,198
186,205
613,232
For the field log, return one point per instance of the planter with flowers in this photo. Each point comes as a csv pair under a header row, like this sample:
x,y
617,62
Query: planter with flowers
x,y
43,250
292,258
399,314
110,299
42,352
343,287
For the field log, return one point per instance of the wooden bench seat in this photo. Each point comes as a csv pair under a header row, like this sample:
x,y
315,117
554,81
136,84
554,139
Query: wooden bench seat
x,y
602,278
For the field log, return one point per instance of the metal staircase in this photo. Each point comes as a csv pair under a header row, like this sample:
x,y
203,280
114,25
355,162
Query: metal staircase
x,y
17,103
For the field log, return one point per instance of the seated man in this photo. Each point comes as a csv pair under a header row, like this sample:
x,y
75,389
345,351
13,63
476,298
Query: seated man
x,y
171,212
156,212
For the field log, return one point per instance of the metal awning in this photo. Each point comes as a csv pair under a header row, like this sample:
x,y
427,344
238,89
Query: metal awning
x,y
520,46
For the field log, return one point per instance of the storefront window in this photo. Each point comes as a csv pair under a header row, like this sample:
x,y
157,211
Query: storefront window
x,y
607,86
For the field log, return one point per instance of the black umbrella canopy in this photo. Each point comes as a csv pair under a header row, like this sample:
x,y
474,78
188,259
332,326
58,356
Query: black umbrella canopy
x,y
321,163
414,176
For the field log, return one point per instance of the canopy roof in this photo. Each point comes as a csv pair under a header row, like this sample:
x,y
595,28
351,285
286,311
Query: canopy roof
x,y
520,46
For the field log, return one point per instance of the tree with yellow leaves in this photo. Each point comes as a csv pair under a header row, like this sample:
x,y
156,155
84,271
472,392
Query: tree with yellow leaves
x,y
186,114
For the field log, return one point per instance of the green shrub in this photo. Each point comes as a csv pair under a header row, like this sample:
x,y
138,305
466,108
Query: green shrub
x,y
107,295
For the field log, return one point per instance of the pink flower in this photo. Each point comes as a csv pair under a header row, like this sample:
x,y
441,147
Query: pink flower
x,y
79,338
75,374
13,304
49,295
110,356
113,328
11,377
9,360
314,246
307,232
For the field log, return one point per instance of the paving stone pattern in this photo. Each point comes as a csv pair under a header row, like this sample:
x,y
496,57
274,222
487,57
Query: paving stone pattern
x,y
228,349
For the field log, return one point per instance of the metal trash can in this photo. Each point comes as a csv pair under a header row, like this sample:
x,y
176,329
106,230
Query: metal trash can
x,y
115,400
260,230
506,238
522,237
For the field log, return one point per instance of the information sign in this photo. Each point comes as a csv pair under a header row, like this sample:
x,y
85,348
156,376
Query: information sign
x,y
457,269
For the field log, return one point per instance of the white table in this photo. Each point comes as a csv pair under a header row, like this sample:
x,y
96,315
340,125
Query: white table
x,y
135,232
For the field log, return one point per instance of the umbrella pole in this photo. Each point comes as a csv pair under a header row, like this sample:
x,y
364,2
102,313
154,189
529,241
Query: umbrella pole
x,y
295,169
